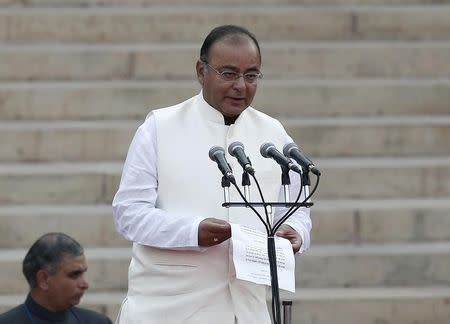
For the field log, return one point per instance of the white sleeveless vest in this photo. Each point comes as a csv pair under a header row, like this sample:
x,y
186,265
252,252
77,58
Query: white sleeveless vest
x,y
200,287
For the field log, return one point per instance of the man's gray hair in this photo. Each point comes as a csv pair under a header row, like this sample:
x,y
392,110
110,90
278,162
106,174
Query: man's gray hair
x,y
47,253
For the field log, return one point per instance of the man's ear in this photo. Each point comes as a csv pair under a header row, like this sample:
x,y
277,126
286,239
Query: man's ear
x,y
42,279
200,68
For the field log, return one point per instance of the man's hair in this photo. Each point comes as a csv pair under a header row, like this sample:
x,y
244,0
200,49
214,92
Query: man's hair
x,y
47,253
224,32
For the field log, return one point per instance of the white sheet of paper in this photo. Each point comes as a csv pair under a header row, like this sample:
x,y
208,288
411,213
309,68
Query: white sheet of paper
x,y
251,259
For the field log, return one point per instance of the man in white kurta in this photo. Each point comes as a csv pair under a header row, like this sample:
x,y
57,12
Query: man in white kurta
x,y
169,200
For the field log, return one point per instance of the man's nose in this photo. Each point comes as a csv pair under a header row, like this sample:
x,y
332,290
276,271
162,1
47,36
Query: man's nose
x,y
83,283
239,82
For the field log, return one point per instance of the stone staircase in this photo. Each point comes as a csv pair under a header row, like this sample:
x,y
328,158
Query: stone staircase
x,y
362,85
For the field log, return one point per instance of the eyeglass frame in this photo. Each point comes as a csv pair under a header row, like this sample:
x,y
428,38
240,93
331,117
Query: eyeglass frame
x,y
236,77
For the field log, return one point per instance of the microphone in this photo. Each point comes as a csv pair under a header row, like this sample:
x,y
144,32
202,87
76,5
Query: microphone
x,y
217,154
236,149
268,150
292,151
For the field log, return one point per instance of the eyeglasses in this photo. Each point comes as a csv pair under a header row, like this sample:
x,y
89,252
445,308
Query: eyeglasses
x,y
231,76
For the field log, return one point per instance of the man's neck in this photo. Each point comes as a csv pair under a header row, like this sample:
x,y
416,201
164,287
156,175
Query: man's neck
x,y
42,300
229,120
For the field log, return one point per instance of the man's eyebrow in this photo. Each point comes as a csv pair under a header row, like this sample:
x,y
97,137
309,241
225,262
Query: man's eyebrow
x,y
234,68
80,270
229,67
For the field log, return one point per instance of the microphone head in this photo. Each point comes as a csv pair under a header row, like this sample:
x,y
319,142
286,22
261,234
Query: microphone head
x,y
264,150
233,146
288,147
214,150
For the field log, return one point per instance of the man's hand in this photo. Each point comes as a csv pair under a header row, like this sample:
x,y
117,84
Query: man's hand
x,y
289,233
213,231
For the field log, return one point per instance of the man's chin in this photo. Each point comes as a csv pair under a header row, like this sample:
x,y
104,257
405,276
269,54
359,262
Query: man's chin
x,y
76,300
233,111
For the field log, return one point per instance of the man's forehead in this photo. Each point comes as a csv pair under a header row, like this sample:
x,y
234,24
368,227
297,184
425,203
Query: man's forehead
x,y
73,262
223,50
233,42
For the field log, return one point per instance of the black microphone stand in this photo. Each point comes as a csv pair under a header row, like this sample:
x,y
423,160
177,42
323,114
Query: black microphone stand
x,y
271,228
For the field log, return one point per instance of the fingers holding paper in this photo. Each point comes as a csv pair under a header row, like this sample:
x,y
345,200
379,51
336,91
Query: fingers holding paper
x,y
290,234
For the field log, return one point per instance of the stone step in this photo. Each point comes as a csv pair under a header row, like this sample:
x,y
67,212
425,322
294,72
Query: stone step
x,y
97,227
288,98
62,183
395,137
92,183
268,22
390,305
387,305
322,137
176,61
341,221
384,178
143,3
374,265
380,221
339,266
63,141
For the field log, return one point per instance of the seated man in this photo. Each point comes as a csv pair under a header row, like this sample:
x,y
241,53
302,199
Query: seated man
x,y
54,268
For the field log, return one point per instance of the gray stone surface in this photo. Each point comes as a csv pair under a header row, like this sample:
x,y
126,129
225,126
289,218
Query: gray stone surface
x,y
97,183
176,62
96,141
124,3
337,266
25,142
92,225
399,182
156,23
296,98
385,310
413,220
59,184
294,22
352,221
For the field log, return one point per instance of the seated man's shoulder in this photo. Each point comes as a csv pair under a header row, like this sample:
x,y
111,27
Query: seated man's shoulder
x,y
91,317
16,314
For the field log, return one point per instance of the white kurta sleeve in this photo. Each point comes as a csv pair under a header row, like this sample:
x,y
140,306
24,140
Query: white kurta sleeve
x,y
135,214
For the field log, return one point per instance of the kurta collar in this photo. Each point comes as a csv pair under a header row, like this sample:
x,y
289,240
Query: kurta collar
x,y
43,313
211,114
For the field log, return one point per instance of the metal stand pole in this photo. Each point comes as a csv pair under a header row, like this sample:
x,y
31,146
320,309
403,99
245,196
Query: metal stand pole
x,y
287,312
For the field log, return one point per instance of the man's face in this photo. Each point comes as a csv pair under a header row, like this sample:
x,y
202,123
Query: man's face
x,y
67,285
229,97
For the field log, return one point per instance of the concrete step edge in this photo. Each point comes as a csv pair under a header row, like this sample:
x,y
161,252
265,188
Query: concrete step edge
x,y
30,47
383,162
301,294
320,250
382,204
202,8
115,167
380,249
43,125
322,205
369,293
144,84
80,210
414,120
105,167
